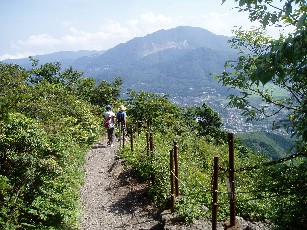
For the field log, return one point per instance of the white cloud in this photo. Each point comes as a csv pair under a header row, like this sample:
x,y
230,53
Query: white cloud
x,y
111,33
107,36
14,56
152,19
38,40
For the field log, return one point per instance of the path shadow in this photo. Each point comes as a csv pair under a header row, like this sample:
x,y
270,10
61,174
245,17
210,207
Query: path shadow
x,y
135,199
99,145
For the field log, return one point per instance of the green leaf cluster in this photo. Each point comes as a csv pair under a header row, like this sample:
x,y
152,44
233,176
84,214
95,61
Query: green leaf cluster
x,y
266,65
273,146
49,119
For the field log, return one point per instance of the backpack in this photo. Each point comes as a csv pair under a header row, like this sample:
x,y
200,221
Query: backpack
x,y
108,123
120,116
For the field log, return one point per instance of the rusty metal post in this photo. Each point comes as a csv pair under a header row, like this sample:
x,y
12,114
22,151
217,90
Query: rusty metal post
x,y
147,143
148,124
151,143
172,180
137,127
232,179
123,134
176,168
151,148
215,193
131,138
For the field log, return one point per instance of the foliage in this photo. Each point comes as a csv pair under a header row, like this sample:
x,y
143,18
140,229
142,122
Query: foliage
x,y
34,179
196,153
272,146
88,89
207,122
12,87
282,62
46,126
289,206
157,109
24,157
106,93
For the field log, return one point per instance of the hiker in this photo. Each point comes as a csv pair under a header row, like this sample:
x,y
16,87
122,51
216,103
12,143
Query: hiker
x,y
109,119
121,118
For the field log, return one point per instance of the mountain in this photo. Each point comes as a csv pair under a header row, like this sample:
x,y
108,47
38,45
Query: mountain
x,y
66,58
184,37
177,61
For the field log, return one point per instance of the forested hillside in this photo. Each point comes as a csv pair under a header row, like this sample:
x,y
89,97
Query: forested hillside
x,y
271,145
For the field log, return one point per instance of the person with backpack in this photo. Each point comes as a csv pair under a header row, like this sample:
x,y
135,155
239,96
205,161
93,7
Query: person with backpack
x,y
121,118
109,124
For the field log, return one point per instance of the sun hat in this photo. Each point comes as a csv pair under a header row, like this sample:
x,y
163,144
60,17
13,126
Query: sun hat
x,y
122,107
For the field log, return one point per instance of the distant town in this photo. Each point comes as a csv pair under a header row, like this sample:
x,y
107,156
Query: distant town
x,y
232,119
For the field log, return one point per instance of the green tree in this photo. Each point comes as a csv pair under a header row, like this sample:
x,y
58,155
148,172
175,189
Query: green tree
x,y
280,63
207,122
25,157
86,88
106,92
45,130
13,87
161,113
264,64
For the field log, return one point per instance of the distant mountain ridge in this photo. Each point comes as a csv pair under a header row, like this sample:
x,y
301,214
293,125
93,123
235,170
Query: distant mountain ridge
x,y
176,61
66,58
183,37
170,61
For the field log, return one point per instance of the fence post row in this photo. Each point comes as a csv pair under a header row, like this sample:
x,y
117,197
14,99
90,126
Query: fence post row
x,y
172,171
176,168
175,175
131,138
232,180
175,178
147,143
123,135
215,193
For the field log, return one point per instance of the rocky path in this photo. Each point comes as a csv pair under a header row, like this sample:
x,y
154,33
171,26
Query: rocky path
x,y
111,196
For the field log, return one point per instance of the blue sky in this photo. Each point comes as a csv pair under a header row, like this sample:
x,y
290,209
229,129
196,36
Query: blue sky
x,y
31,27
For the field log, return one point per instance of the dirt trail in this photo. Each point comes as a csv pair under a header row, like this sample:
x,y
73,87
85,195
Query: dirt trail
x,y
111,197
